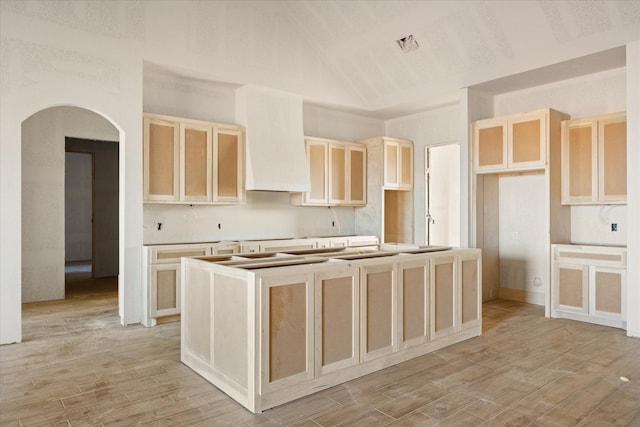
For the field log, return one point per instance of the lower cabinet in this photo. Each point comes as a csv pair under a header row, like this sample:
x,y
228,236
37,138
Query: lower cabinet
x,y
288,330
161,276
300,328
413,303
164,290
337,308
378,318
589,284
455,294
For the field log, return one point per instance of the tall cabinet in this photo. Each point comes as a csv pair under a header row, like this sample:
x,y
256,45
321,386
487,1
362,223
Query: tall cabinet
x,y
389,209
510,146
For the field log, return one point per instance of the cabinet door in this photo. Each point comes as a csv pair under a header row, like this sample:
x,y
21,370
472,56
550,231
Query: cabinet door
x,y
470,291
317,159
337,320
571,290
444,316
612,160
228,179
337,174
579,162
195,162
161,160
164,291
490,144
357,162
398,164
287,355
378,324
413,303
526,141
607,292
405,176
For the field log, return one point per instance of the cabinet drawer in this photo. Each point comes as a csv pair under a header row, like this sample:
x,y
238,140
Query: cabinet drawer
x,y
173,254
591,255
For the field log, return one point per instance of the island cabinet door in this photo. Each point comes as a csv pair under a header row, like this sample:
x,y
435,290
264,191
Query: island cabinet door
x,y
413,303
337,320
378,314
444,318
287,356
470,291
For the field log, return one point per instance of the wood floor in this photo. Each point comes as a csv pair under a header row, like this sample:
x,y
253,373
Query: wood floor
x,y
77,366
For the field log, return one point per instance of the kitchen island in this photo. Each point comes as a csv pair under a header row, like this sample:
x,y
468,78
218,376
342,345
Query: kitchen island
x,y
268,328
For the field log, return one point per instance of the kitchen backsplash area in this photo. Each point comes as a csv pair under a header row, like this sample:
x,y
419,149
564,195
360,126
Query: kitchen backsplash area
x,y
265,215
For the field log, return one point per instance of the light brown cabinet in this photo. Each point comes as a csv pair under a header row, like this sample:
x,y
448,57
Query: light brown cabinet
x,y
288,321
589,284
456,294
389,208
513,155
337,308
398,164
191,161
378,317
413,303
516,142
162,280
594,160
161,159
338,174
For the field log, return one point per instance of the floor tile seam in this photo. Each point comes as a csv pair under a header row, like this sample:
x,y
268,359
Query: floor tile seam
x,y
420,410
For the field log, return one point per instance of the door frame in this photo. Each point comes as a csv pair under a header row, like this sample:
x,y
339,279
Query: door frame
x,y
427,176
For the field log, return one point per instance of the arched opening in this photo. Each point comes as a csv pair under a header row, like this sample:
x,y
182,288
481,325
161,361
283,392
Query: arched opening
x,y
51,221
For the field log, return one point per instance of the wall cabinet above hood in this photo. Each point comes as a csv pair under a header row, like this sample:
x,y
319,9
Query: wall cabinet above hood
x,y
275,150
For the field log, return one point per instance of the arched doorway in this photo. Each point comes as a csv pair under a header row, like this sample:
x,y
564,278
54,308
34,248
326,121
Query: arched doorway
x,y
44,137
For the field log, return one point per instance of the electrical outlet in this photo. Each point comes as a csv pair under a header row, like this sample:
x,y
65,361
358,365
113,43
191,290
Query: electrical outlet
x,y
614,227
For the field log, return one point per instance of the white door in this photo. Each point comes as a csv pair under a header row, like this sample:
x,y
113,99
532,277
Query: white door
x,y
443,195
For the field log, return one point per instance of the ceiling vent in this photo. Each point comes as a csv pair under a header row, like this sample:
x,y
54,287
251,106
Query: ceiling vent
x,y
408,44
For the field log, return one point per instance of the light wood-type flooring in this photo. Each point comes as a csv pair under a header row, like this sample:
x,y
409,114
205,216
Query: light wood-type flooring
x,y
77,366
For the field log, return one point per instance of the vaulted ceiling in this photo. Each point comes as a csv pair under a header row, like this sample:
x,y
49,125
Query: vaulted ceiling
x,y
345,52
462,44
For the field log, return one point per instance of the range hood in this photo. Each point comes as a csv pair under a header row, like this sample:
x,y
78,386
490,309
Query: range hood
x,y
275,154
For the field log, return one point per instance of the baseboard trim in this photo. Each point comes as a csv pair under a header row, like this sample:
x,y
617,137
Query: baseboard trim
x,y
522,296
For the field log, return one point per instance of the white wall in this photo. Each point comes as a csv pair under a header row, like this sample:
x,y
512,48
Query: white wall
x,y
580,97
633,188
522,238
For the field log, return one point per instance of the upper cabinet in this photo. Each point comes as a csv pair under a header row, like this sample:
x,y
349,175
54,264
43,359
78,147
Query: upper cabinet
x,y
190,161
594,163
161,159
516,142
398,164
338,174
